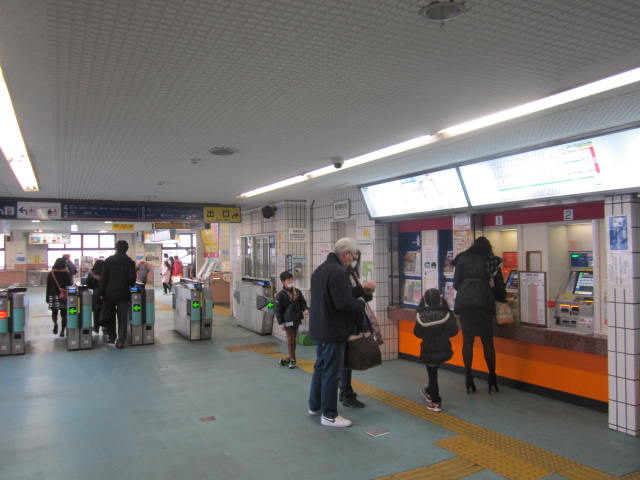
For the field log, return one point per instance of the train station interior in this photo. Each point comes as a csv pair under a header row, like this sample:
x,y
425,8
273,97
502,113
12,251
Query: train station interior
x,y
234,144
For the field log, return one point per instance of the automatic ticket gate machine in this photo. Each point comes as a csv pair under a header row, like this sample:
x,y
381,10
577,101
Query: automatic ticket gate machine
x,y
141,328
79,315
574,307
255,305
193,313
13,315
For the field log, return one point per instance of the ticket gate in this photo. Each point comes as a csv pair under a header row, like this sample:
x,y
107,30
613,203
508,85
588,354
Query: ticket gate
x,y
574,306
255,309
79,315
193,314
13,315
142,314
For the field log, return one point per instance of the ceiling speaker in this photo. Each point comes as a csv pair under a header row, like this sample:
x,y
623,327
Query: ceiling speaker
x,y
268,211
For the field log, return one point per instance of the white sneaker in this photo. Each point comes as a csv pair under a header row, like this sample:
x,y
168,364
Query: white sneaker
x,y
335,422
314,412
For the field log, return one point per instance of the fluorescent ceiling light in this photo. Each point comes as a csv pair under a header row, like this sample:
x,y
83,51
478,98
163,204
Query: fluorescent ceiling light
x,y
12,143
584,91
35,221
274,186
108,221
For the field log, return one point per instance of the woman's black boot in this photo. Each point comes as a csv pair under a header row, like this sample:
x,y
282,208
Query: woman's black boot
x,y
492,382
55,327
471,387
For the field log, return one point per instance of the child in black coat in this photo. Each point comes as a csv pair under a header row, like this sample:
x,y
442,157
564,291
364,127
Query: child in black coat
x,y
290,309
435,324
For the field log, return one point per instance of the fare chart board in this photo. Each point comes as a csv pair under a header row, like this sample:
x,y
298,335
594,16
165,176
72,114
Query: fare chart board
x,y
607,162
426,192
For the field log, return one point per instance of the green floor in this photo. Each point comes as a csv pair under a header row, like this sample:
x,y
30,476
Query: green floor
x,y
136,414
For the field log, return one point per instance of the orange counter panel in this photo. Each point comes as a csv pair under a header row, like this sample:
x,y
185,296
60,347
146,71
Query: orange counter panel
x,y
566,371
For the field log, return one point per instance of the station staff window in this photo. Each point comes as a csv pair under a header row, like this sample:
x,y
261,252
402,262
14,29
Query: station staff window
x,y
259,256
84,249
2,253
184,248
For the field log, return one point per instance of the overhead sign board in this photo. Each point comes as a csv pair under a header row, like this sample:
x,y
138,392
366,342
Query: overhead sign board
x,y
122,226
49,238
39,211
222,214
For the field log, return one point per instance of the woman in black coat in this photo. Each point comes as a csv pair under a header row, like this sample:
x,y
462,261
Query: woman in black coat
x,y
58,279
478,282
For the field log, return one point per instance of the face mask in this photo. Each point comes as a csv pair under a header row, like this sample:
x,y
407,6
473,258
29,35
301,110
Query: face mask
x,y
289,286
354,264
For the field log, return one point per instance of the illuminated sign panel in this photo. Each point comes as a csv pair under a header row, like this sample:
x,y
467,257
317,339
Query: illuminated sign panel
x,y
598,164
427,192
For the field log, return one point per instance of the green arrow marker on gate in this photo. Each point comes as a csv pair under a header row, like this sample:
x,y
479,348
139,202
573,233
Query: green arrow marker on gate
x,y
195,304
270,305
73,310
137,308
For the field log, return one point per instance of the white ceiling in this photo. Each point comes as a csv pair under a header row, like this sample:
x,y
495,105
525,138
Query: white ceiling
x,y
115,96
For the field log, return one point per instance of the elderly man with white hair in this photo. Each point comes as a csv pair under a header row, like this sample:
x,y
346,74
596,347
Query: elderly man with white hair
x,y
332,311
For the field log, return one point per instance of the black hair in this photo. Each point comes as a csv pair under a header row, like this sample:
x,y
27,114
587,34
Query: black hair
x,y
433,298
59,264
122,246
481,245
286,275
98,267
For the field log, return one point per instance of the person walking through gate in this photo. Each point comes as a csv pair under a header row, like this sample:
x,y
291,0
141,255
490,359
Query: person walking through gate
x,y
93,282
166,274
332,310
58,280
118,275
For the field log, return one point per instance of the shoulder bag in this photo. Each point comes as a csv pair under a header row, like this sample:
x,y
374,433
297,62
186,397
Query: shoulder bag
x,y
504,315
62,295
362,352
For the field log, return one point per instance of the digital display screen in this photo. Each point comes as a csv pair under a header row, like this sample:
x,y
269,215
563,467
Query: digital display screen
x,y
512,280
603,163
427,192
584,284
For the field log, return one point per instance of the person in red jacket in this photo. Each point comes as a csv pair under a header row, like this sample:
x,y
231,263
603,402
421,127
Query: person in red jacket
x,y
177,267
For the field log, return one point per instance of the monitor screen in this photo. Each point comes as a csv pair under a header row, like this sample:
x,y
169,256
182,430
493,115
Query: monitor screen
x,y
584,283
603,163
512,280
427,192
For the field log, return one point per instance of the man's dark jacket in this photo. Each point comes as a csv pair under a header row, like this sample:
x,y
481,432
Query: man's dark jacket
x,y
118,275
333,308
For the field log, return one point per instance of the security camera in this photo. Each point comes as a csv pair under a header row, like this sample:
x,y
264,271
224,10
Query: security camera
x,y
337,161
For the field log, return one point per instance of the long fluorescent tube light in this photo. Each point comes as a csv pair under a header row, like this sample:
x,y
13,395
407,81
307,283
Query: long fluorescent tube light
x,y
587,90
12,143
274,186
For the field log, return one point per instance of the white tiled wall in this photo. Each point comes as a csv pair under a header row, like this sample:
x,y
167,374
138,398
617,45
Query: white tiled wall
x,y
324,231
623,303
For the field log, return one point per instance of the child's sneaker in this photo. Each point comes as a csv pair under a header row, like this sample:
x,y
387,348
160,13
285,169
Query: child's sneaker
x,y
431,405
292,363
425,395
434,407
283,362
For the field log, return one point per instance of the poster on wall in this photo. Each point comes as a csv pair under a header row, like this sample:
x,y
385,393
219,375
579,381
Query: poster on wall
x,y
533,298
411,292
366,267
462,234
210,241
430,267
618,234
620,269
411,263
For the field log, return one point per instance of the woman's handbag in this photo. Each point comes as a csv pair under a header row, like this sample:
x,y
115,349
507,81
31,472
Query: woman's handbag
x,y
504,315
362,352
62,292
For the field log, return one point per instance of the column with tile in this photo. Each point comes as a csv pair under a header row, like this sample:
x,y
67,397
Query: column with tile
x,y
622,214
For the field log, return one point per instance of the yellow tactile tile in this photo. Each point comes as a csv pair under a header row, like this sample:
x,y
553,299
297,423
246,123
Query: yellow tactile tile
x,y
452,469
492,459
475,445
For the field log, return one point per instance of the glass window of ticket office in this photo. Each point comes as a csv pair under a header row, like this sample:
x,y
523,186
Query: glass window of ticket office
x,y
259,256
84,249
184,247
2,254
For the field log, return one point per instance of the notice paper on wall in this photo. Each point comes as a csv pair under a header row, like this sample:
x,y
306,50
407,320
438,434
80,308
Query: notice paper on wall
x,y
619,269
533,302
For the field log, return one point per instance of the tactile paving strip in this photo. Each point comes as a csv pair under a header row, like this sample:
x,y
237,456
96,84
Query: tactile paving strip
x,y
512,458
452,469
255,347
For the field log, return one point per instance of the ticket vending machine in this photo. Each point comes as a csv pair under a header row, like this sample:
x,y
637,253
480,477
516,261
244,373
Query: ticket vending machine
x,y
79,314
193,314
513,294
574,307
141,316
13,315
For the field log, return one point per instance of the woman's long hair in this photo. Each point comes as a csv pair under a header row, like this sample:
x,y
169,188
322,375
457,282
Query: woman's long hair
x,y
98,267
59,264
481,245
